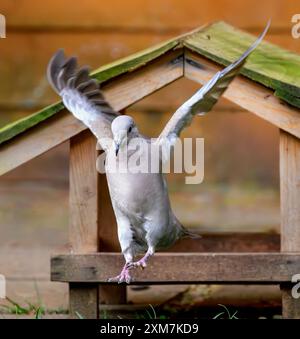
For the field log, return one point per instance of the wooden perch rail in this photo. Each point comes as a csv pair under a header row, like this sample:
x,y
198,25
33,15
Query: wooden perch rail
x,y
217,268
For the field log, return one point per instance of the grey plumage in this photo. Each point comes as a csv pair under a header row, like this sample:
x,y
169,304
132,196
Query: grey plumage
x,y
82,96
141,203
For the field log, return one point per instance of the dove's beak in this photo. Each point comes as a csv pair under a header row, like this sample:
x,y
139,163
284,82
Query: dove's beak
x,y
117,147
119,140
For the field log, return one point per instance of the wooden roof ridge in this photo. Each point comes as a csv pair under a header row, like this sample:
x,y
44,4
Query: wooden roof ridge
x,y
270,65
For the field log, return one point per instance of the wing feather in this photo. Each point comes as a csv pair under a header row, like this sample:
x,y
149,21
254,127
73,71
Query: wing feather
x,y
204,99
82,96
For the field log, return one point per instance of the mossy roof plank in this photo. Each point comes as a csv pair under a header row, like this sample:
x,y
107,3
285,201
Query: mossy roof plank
x,y
102,74
270,65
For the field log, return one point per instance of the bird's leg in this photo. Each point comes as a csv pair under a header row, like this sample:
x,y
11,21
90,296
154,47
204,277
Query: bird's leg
x,y
143,262
124,276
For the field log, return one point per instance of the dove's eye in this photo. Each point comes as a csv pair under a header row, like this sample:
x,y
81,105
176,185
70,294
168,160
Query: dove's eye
x,y
130,129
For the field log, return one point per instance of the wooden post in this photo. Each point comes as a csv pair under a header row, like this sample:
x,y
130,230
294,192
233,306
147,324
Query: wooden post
x,y
92,224
290,212
84,298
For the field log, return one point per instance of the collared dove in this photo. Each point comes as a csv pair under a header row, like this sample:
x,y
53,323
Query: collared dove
x,y
140,201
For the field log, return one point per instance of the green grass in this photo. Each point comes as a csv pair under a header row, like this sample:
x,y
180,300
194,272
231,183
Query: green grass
x,y
35,310
225,314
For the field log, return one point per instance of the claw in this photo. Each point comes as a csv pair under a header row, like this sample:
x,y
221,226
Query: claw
x,y
141,263
123,277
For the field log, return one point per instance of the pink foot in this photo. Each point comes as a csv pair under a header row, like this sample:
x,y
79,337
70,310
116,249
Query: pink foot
x,y
123,277
142,263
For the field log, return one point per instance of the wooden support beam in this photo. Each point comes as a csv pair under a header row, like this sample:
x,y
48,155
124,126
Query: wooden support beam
x,y
83,194
121,93
92,221
237,268
83,228
83,300
290,213
247,94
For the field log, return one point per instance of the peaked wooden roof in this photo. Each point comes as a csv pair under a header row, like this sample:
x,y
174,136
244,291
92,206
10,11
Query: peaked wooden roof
x,y
269,65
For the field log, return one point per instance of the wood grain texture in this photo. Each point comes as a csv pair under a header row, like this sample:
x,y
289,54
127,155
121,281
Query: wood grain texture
x,y
92,220
108,240
270,65
83,194
290,212
83,218
127,90
38,140
83,300
290,192
247,268
207,41
248,95
290,305
219,42
102,74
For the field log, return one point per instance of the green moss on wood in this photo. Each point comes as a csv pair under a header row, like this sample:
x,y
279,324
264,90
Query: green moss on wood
x,y
102,74
269,65
11,130
134,61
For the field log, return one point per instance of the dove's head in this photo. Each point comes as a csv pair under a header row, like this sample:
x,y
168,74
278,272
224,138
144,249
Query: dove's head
x,y
123,128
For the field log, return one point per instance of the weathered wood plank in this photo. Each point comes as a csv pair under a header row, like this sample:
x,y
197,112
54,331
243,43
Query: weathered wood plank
x,y
145,15
290,192
269,65
83,300
38,140
290,212
127,90
92,221
247,94
83,230
103,74
83,224
247,268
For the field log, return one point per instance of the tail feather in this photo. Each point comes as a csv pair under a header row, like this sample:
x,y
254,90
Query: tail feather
x,y
188,234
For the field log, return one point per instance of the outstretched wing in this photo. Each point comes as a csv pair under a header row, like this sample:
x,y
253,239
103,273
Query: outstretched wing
x,y
82,96
204,99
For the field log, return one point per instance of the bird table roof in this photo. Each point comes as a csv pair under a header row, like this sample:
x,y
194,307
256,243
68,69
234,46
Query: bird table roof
x,y
269,65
